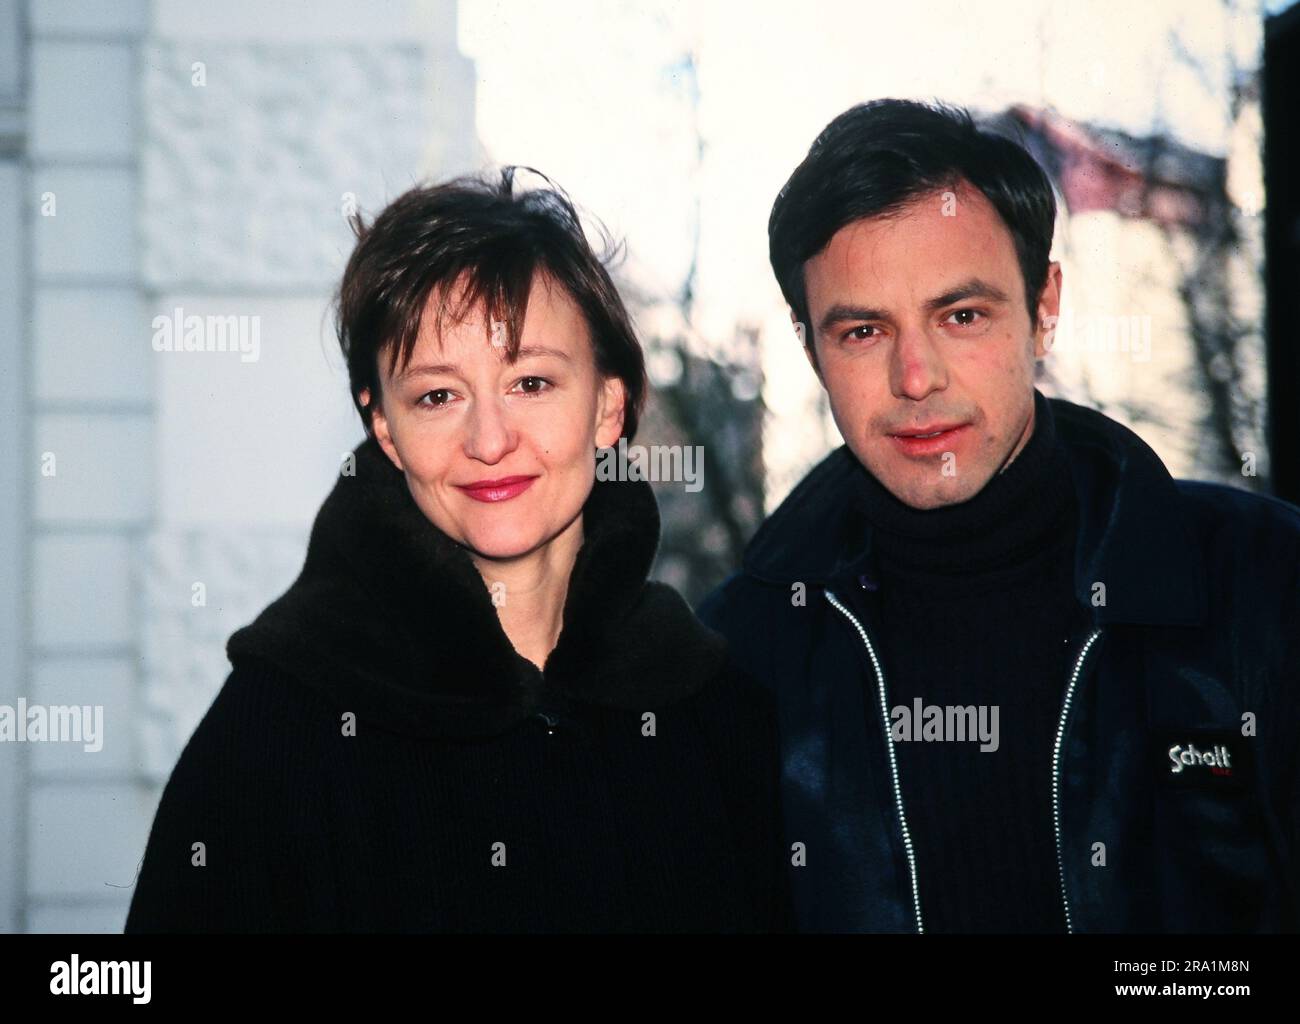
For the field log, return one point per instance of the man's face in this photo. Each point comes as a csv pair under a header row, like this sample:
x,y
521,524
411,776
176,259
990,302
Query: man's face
x,y
919,323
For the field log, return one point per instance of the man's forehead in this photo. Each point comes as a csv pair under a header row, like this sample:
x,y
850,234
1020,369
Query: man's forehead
x,y
958,243
956,212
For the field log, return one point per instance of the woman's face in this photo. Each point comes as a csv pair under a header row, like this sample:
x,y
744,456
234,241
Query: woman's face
x,y
500,456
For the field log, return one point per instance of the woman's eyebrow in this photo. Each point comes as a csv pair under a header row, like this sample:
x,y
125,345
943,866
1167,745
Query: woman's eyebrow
x,y
542,350
426,369
430,369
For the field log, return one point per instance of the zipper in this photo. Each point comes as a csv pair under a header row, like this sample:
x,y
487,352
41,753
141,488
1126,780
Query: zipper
x,y
1056,770
889,748
893,761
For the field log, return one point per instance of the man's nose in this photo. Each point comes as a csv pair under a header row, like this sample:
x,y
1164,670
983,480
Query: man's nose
x,y
916,365
489,434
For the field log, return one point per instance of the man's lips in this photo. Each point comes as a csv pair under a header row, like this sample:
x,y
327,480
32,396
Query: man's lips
x,y
914,440
502,489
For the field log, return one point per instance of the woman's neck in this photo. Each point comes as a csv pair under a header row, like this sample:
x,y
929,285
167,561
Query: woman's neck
x,y
528,592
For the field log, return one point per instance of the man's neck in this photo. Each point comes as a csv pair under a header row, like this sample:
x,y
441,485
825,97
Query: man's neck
x,y
1025,434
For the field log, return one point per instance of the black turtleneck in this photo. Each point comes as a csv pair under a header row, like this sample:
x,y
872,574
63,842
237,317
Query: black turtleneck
x,y
976,608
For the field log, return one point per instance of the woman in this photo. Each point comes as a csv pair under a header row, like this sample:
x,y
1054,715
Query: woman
x,y
472,711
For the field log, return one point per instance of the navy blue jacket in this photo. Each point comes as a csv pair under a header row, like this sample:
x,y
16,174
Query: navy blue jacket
x,y
1192,649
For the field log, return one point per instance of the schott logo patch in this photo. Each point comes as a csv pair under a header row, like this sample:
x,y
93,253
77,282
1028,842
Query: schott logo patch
x,y
1211,760
1184,756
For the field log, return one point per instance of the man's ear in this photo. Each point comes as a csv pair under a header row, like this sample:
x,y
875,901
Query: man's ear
x,y
1049,311
379,424
812,361
610,412
806,341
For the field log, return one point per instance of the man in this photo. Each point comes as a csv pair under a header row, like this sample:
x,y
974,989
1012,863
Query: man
x,y
1027,681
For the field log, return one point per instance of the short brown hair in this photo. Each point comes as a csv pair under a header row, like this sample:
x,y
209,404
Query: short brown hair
x,y
492,237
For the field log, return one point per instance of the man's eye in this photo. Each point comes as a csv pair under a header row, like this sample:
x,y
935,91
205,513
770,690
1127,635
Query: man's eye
x,y
971,313
857,335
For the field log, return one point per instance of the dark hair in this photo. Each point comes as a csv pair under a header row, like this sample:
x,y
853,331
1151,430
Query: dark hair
x,y
497,237
875,157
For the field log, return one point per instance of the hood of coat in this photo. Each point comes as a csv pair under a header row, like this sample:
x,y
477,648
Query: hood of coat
x,y
1134,529
390,619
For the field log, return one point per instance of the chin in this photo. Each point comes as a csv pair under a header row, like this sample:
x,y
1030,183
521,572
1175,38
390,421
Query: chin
x,y
932,501
924,495
503,543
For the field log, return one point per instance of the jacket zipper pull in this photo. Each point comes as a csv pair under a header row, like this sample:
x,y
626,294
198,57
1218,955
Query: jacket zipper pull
x,y
552,721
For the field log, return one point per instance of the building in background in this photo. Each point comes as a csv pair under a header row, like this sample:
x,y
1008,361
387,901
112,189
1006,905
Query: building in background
x,y
1161,323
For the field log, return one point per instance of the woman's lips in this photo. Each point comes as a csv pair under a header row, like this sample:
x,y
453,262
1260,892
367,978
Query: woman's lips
x,y
917,447
498,490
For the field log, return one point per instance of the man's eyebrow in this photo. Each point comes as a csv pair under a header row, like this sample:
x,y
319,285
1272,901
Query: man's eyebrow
x,y
975,288
841,312
432,369
972,289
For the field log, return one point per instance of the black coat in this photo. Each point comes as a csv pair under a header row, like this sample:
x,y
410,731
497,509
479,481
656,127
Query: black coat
x,y
632,786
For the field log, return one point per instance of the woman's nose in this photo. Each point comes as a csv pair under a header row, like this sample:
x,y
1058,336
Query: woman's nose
x,y
489,434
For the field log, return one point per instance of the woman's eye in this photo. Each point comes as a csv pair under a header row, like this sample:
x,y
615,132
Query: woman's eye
x,y
533,385
440,397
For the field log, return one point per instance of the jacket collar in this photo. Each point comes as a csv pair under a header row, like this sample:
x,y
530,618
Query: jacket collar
x,y
391,620
1134,533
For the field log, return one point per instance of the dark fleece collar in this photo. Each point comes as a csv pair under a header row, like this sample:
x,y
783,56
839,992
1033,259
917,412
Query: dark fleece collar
x,y
390,619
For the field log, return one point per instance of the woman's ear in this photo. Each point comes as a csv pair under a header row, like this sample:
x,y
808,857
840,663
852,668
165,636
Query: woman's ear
x,y
609,415
379,424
